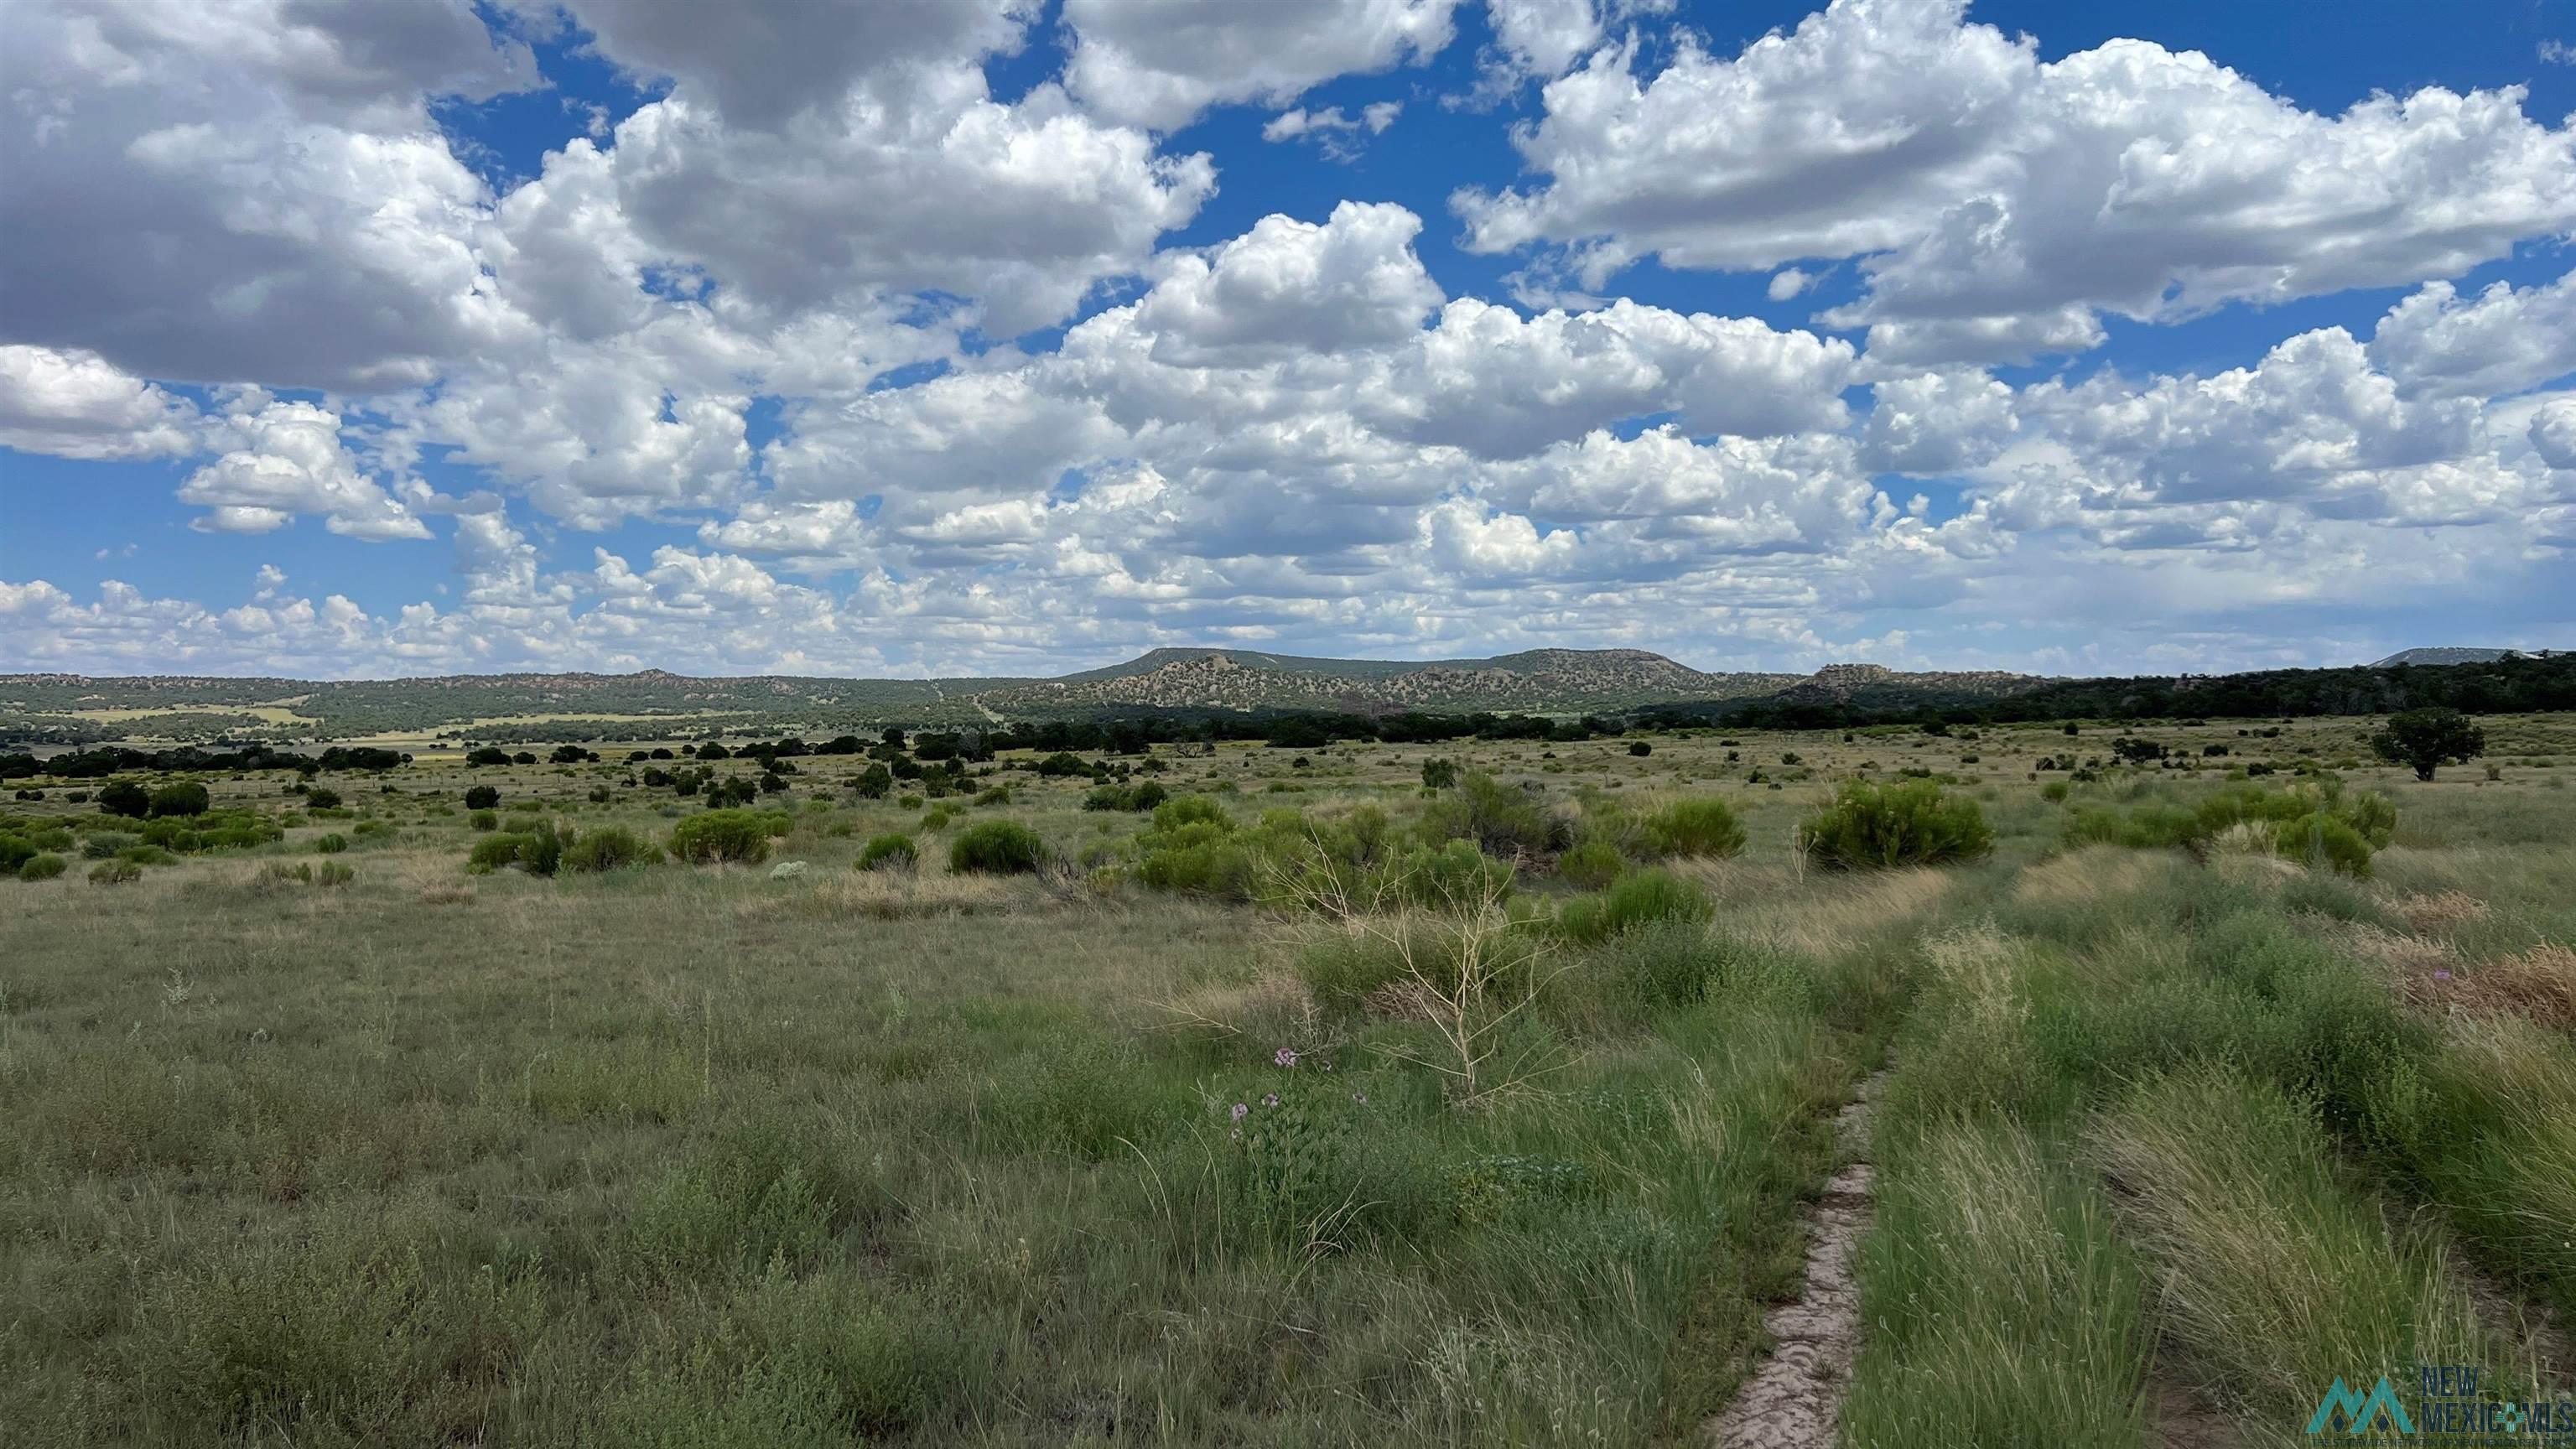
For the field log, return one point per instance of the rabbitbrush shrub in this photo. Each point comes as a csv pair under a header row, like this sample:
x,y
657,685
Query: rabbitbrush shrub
x,y
1695,828
612,847
891,851
1912,823
997,847
731,837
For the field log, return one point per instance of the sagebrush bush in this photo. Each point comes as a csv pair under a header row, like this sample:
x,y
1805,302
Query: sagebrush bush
x,y
611,847
1911,823
331,844
113,872
42,867
891,851
1695,827
726,837
997,847
484,820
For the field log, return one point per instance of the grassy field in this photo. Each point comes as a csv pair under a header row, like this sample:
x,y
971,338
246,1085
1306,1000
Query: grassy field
x,y
1285,1125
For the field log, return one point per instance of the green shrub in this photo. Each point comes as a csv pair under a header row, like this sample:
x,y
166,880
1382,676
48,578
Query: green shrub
x,y
1497,818
891,851
1635,901
42,867
733,837
1697,827
1189,810
543,849
1877,826
104,844
124,797
997,847
484,820
1640,749
936,818
187,797
322,797
612,847
114,872
334,873
1193,849
1592,864
2323,839
1453,877
331,845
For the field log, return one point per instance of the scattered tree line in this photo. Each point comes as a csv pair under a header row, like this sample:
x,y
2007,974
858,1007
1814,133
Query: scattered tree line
x,y
2505,686
98,764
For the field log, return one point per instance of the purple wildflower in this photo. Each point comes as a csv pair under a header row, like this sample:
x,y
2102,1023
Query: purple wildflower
x,y
1270,1099
2442,973
1360,1097
1239,1110
1285,1056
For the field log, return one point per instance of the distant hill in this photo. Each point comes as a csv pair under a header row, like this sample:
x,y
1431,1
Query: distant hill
x,y
1168,684
2452,654
1539,681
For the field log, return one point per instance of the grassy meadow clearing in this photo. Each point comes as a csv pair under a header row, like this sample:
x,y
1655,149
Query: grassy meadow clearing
x,y
1308,1105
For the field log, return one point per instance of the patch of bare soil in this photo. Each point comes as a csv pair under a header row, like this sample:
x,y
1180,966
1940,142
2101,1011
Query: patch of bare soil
x,y
2185,1420
1794,1400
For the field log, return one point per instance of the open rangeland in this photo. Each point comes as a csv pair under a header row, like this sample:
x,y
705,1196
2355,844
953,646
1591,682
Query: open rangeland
x,y
1292,1098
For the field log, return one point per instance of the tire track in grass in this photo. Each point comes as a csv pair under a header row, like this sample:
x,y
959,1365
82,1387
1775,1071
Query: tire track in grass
x,y
1794,1399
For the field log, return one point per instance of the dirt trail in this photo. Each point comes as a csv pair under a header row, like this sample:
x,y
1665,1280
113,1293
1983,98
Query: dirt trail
x,y
1794,1400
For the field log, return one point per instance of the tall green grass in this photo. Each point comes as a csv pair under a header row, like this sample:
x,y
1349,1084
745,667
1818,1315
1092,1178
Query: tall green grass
x,y
2001,1309
2274,1274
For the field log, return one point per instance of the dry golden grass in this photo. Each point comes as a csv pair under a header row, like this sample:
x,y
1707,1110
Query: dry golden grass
x,y
2539,983
2094,873
1822,917
1241,1008
2443,908
894,895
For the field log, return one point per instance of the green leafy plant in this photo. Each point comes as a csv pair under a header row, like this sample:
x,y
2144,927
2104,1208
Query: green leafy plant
x,y
997,847
1909,823
891,851
722,837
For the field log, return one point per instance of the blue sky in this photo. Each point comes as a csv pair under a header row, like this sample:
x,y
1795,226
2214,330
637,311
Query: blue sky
x,y
953,336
